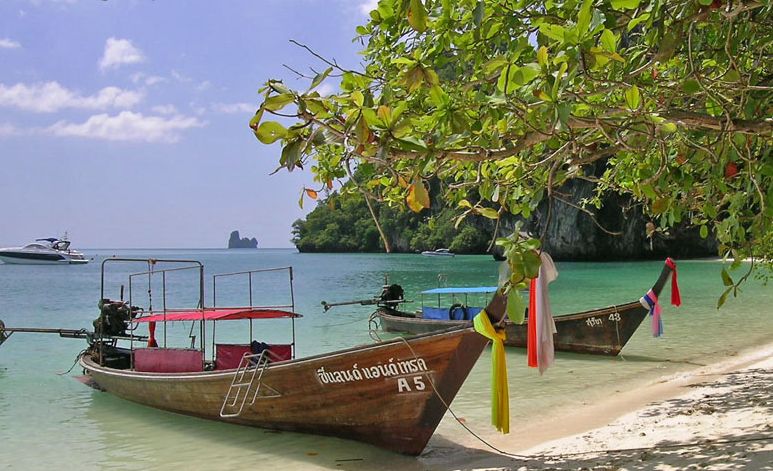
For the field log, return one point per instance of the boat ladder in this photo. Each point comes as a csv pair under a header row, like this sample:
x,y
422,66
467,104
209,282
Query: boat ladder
x,y
249,373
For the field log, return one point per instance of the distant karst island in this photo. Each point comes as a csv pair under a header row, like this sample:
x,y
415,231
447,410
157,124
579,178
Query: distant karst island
x,y
235,242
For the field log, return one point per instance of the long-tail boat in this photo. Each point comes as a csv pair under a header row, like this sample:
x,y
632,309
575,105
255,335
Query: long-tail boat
x,y
603,331
390,394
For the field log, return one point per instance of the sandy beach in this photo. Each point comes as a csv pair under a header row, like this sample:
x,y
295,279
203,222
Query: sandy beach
x,y
715,417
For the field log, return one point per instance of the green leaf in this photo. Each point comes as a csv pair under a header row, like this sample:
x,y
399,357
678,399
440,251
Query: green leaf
x,y
691,86
713,108
417,16
358,98
495,65
320,77
704,231
668,128
255,121
270,131
402,61
608,41
531,263
411,143
732,75
478,12
489,213
277,102
372,118
516,306
291,153
524,75
632,98
727,280
584,17
556,32
542,56
625,4
514,77
639,19
723,298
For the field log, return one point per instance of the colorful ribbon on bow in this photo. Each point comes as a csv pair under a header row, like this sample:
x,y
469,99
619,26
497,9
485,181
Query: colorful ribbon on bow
x,y
500,399
650,301
676,297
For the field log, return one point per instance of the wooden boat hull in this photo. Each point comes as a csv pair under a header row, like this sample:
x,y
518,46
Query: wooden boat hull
x,y
602,331
387,394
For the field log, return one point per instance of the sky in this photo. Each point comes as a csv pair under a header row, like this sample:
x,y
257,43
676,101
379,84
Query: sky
x,y
125,122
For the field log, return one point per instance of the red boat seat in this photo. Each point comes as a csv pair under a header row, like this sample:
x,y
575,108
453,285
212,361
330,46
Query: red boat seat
x,y
281,351
228,356
168,360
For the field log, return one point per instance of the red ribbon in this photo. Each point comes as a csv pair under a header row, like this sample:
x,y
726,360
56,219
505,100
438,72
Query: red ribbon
x,y
531,337
676,298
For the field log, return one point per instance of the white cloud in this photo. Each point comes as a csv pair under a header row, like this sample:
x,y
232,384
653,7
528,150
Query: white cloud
x,y
6,43
119,52
149,80
180,77
7,129
51,96
128,126
367,6
230,108
165,109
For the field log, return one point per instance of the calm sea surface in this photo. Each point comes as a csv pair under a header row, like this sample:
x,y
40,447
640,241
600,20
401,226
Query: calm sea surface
x,y
49,420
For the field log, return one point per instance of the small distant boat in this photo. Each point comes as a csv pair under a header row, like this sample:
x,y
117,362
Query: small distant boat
x,y
49,251
438,253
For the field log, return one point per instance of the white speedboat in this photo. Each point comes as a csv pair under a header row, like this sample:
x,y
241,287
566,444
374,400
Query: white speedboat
x,y
50,251
438,253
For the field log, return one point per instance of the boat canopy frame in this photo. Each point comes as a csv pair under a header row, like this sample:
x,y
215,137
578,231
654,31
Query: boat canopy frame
x,y
200,313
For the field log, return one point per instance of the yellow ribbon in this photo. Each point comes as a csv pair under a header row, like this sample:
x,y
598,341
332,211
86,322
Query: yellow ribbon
x,y
500,399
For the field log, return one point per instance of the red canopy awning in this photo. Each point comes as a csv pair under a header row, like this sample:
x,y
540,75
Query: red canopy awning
x,y
218,314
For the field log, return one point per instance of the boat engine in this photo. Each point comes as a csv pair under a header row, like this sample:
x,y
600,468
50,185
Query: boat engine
x,y
392,293
114,317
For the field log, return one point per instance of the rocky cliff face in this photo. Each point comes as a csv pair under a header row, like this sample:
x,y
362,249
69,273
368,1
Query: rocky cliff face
x,y
573,235
235,242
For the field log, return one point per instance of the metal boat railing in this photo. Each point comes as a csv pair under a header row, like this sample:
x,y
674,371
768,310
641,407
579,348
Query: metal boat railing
x,y
249,274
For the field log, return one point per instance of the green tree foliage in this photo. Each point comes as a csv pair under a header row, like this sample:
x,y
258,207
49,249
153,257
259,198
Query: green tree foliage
x,y
342,223
505,100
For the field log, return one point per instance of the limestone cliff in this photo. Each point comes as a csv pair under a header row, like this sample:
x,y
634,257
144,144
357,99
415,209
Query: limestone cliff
x,y
235,242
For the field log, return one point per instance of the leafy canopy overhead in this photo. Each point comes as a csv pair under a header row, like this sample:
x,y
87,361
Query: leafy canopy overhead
x,y
506,100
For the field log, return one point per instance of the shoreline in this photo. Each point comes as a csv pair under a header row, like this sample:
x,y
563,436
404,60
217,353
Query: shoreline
x,y
717,416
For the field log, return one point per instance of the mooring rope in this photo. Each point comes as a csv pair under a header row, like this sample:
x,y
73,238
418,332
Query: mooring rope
x,y
577,453
74,363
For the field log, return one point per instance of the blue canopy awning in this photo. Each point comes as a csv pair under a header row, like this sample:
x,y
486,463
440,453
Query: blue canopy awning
x,y
461,290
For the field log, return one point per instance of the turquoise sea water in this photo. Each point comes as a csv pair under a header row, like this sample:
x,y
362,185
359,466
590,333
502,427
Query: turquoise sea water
x,y
48,419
